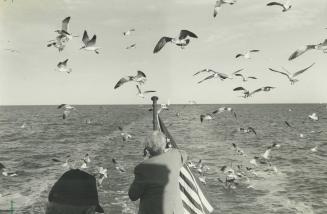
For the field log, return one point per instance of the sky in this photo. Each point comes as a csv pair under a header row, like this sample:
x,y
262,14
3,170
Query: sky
x,y
29,76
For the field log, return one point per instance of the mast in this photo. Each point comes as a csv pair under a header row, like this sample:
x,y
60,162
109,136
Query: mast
x,y
154,111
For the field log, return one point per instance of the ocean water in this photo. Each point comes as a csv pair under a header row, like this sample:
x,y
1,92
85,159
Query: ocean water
x,y
298,186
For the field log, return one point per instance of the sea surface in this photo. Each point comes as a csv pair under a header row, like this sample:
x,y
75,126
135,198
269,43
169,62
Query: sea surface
x,y
30,136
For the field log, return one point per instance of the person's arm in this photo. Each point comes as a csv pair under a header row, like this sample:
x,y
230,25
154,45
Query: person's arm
x,y
136,189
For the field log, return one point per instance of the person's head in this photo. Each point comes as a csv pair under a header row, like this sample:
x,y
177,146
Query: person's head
x,y
155,144
75,192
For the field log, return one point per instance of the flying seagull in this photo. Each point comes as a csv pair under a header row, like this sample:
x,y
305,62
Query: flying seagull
x,y
182,40
290,76
140,78
127,33
221,76
89,44
247,93
131,46
62,67
64,28
286,6
59,43
321,46
67,108
205,117
118,166
314,116
219,4
244,78
223,109
246,55
208,70
248,130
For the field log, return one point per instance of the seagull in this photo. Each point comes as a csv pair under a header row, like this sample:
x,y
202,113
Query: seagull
x,y
127,33
131,46
248,130
290,76
238,150
101,174
192,102
267,152
223,109
182,40
62,67
87,158
314,116
67,108
321,46
140,78
89,44
287,123
142,94
221,76
6,173
314,149
118,166
286,6
219,4
245,78
205,117
246,55
208,70
124,134
84,164
248,94
64,28
60,42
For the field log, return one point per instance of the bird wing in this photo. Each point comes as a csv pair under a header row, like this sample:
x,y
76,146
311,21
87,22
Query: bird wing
x,y
252,130
240,75
61,105
238,55
64,24
140,74
85,37
222,76
251,77
185,33
239,89
204,70
253,51
239,70
122,81
301,51
138,89
92,41
65,62
208,77
302,70
286,74
255,91
275,3
161,43
150,91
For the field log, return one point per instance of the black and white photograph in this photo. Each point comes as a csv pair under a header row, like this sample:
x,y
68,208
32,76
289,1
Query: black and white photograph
x,y
163,106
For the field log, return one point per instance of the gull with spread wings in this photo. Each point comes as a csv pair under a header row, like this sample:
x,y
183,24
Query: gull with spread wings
x,y
139,78
182,40
89,44
219,4
290,76
286,6
247,54
215,74
247,93
62,67
321,46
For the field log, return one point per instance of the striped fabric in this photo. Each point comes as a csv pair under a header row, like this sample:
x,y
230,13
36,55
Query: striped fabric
x,y
193,197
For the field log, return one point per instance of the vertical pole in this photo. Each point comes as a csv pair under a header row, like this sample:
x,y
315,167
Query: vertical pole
x,y
12,207
154,111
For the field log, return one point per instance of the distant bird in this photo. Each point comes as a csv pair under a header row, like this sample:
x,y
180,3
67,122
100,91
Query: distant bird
x,y
321,46
237,150
215,75
84,164
62,67
59,43
314,149
118,166
67,108
204,70
205,117
246,55
244,78
248,94
314,116
6,173
192,102
142,94
11,50
131,46
286,6
266,154
223,109
127,33
124,134
89,44
23,126
290,76
248,130
101,174
287,123
139,78
219,4
182,40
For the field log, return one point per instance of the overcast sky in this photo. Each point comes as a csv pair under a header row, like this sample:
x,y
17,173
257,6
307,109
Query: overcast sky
x,y
28,77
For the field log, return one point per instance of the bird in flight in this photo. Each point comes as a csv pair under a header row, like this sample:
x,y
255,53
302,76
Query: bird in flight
x,y
139,78
64,28
290,76
245,78
60,42
248,130
219,4
247,54
321,46
67,108
131,46
206,117
89,44
142,94
127,33
62,67
286,6
182,40
247,93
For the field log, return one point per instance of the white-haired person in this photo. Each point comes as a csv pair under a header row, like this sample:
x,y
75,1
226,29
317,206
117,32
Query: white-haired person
x,y
156,179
